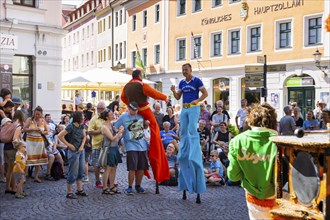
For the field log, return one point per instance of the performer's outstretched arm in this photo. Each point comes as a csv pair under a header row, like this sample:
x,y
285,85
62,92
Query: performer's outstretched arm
x,y
153,93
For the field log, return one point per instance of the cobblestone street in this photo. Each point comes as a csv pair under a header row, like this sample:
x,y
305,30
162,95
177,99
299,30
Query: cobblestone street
x,y
47,201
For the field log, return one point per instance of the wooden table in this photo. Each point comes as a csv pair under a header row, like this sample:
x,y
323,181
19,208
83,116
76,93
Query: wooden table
x,y
289,206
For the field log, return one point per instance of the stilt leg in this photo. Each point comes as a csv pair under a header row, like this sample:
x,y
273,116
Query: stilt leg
x,y
184,197
198,199
157,188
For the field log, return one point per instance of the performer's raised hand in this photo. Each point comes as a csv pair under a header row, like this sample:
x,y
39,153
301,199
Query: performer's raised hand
x,y
173,88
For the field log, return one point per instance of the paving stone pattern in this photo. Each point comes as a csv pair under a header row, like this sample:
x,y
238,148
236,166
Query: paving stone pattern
x,y
47,201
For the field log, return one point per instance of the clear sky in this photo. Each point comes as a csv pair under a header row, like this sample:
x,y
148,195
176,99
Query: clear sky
x,y
72,2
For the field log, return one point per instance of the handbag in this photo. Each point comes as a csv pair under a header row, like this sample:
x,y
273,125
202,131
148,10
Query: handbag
x,y
103,158
7,133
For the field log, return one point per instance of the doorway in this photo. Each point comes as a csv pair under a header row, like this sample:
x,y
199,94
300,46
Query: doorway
x,y
304,97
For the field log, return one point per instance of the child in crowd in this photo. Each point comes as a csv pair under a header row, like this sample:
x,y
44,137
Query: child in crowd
x,y
19,167
215,174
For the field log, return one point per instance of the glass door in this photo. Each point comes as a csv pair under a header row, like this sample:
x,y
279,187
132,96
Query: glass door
x,y
304,97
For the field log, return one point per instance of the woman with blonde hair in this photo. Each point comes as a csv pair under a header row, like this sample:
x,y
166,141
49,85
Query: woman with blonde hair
x,y
256,172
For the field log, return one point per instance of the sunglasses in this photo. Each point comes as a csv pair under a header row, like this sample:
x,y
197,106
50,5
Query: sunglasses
x,y
212,155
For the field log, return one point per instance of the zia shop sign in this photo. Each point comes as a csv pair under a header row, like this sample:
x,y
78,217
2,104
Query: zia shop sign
x,y
8,41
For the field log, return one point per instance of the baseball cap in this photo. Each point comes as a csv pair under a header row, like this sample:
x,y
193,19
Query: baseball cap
x,y
4,121
133,105
16,100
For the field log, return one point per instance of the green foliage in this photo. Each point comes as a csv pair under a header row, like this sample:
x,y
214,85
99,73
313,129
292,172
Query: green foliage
x,y
233,130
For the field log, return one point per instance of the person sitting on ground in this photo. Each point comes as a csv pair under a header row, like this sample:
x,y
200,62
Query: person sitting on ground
x,y
215,174
169,136
310,123
173,166
222,137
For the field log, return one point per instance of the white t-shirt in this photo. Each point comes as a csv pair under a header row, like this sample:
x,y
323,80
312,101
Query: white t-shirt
x,y
241,113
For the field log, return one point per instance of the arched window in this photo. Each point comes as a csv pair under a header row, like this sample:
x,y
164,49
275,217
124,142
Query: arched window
x,y
251,94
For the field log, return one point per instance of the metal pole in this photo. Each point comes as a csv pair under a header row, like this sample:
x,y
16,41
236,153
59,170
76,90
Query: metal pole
x,y
265,78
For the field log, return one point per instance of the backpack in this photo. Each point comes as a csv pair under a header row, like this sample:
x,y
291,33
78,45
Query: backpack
x,y
56,171
7,133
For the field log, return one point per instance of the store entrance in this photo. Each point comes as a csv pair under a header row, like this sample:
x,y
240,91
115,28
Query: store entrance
x,y
304,97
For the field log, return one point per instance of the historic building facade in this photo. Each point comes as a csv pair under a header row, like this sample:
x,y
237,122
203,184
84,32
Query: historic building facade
x,y
230,40
31,52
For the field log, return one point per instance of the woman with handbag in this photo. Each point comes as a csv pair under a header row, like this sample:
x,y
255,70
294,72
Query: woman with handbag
x,y
110,151
9,150
75,137
36,129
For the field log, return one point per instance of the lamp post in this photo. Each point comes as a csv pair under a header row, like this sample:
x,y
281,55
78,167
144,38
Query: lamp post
x,y
317,59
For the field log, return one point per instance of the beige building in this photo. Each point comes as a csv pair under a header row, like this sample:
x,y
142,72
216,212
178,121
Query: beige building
x,y
229,37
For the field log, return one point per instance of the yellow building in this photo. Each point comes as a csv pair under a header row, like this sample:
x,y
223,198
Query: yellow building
x,y
231,38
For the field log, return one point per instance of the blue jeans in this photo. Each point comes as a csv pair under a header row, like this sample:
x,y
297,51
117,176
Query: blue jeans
x,y
191,174
76,166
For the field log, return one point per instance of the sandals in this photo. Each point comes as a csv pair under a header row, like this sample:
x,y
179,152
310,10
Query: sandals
x,y
114,190
81,193
107,191
71,196
49,177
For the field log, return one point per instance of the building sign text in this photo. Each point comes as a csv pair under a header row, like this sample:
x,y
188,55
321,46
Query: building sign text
x,y
278,7
8,41
222,18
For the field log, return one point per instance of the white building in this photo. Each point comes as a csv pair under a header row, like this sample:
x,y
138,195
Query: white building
x,y
31,52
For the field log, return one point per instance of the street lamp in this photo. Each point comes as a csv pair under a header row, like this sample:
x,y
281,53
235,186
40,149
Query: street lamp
x,y
317,58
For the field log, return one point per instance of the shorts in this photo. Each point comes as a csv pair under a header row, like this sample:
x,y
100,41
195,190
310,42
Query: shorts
x,y
137,160
214,175
87,156
50,151
18,177
9,155
95,157
114,157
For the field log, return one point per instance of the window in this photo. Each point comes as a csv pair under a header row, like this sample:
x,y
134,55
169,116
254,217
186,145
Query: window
x,y
109,53
78,36
255,39
181,49
69,40
29,3
99,56
133,58
92,28
234,1
197,5
145,18
92,57
157,54
121,17
120,51
104,55
216,3
181,7
64,42
87,59
82,60
104,24
117,18
88,31
99,27
64,65
124,14
69,64
216,44
250,93
109,22
116,52
235,42
145,56
83,33
74,38
221,91
157,8
134,23
285,35
124,49
196,50
314,31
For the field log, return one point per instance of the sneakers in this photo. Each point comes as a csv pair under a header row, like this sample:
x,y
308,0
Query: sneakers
x,y
85,179
99,184
129,191
139,189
